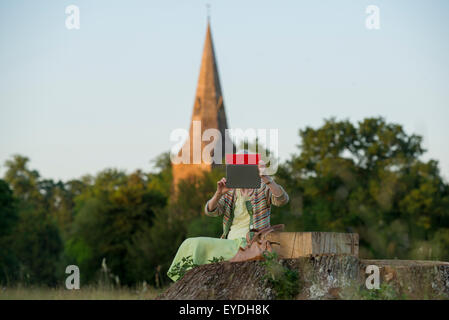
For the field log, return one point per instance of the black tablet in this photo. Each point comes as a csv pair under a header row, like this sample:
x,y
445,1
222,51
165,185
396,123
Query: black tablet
x,y
242,176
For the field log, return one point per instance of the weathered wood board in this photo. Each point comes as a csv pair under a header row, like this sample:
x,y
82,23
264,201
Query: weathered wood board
x,y
301,244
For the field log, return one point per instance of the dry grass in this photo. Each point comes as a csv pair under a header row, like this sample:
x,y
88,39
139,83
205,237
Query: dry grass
x,y
87,293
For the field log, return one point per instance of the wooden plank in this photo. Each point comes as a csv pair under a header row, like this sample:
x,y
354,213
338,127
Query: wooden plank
x,y
301,244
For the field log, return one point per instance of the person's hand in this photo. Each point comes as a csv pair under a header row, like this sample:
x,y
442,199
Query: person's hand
x,y
262,168
221,187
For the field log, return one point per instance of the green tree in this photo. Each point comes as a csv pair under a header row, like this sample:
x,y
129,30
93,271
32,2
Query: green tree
x,y
108,214
23,181
38,247
368,178
152,249
35,240
161,180
8,222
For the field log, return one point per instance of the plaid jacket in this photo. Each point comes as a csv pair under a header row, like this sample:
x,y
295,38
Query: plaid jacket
x,y
259,208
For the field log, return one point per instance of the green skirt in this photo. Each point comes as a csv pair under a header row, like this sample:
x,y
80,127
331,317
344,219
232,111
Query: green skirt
x,y
202,250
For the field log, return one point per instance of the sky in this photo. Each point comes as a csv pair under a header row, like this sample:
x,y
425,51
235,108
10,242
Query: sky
x,y
109,94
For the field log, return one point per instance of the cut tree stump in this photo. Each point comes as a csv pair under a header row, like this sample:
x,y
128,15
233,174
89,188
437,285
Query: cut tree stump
x,y
327,266
302,244
320,277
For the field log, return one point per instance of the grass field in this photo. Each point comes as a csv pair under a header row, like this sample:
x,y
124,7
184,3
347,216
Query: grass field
x,y
88,293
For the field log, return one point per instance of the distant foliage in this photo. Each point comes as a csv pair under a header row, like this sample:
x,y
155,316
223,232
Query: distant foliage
x,y
8,221
107,216
367,177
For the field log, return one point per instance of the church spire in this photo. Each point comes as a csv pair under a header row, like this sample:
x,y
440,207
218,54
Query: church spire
x,y
208,92
208,108
209,105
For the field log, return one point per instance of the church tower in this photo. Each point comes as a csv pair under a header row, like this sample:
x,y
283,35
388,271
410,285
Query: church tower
x,y
208,111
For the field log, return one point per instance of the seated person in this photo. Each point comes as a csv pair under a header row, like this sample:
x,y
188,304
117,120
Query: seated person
x,y
242,210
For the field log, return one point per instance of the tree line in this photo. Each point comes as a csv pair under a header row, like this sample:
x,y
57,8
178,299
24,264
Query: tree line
x,y
366,177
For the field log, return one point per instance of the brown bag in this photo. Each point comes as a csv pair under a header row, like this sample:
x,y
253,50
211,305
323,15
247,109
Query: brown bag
x,y
259,244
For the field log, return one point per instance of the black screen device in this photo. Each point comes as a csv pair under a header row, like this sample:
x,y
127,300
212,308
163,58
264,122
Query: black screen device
x,y
242,176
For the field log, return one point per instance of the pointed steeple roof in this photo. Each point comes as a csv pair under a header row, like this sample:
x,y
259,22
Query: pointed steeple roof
x,y
208,86
209,105
208,108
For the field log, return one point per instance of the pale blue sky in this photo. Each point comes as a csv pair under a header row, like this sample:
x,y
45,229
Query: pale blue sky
x,y
109,94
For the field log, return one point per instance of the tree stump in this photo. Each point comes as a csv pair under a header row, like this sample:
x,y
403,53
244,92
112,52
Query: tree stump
x,y
320,277
302,244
